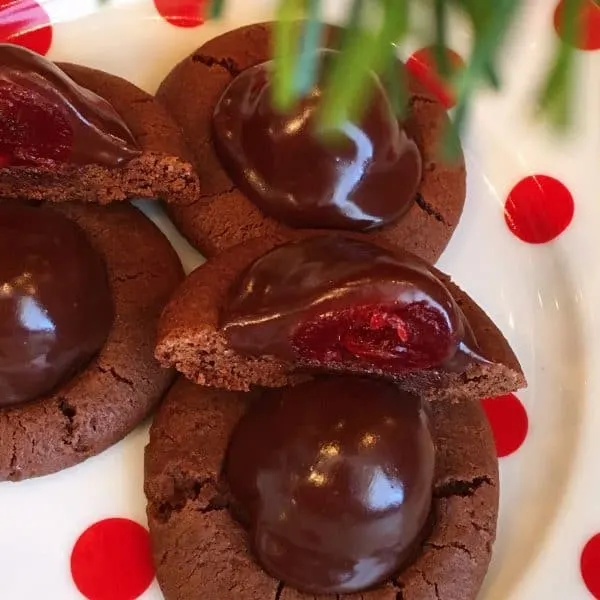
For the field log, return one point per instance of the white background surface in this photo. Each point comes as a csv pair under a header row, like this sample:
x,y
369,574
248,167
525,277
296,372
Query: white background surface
x,y
544,298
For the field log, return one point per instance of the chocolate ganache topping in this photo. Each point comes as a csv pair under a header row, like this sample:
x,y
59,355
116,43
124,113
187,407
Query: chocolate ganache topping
x,y
46,118
365,177
56,306
336,498
331,299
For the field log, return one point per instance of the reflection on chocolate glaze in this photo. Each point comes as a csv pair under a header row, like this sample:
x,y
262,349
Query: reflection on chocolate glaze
x,y
46,118
330,299
56,305
366,178
334,480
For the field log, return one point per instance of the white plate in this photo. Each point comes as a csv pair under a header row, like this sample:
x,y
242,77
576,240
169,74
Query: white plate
x,y
543,296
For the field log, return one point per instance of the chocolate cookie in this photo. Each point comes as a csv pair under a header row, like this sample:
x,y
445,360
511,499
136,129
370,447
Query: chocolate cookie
x,y
223,216
198,332
200,551
107,142
119,386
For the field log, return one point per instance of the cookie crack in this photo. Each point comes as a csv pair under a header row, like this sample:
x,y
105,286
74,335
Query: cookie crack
x,y
227,63
427,208
433,584
477,527
131,277
69,412
188,489
217,196
279,590
421,98
399,589
454,545
462,488
216,504
13,459
143,100
115,375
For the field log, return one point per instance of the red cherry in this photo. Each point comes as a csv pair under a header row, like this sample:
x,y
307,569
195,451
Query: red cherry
x,y
32,130
46,118
397,338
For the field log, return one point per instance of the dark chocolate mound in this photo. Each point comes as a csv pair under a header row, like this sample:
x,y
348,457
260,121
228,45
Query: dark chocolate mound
x,y
201,552
122,384
222,216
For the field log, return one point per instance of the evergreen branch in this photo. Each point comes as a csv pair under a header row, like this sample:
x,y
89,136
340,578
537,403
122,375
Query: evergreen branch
x,y
373,28
286,52
216,8
556,95
365,49
439,48
307,68
490,26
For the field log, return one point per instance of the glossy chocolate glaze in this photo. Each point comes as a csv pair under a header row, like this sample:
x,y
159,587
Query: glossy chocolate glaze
x,y
321,298
47,117
366,178
334,480
56,306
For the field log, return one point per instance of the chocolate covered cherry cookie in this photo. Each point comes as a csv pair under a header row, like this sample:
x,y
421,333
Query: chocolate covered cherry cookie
x,y
264,174
273,313
341,485
81,290
70,133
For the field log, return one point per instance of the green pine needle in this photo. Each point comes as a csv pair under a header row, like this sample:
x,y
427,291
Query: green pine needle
x,y
489,30
286,48
307,68
372,30
439,49
364,49
556,96
215,9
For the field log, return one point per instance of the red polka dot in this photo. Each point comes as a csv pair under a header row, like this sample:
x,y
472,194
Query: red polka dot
x,y
538,209
111,560
26,23
587,36
182,13
590,566
422,65
509,422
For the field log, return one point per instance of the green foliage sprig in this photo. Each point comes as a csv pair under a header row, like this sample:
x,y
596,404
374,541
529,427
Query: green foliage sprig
x,y
373,29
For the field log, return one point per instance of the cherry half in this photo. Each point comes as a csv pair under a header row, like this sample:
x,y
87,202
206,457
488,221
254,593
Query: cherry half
x,y
46,118
392,337
333,300
33,130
